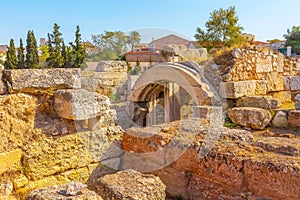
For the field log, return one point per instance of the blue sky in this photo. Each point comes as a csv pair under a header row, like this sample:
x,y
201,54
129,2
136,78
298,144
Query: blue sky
x,y
267,19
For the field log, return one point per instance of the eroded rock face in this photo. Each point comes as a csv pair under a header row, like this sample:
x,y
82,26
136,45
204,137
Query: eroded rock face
x,y
32,79
80,104
71,191
294,118
255,118
264,102
130,184
241,164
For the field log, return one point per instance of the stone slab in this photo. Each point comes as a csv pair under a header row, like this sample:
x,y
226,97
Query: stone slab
x,y
265,102
234,90
58,78
80,104
130,184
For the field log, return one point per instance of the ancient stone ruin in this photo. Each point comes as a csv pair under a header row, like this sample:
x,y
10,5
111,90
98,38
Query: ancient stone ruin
x,y
164,134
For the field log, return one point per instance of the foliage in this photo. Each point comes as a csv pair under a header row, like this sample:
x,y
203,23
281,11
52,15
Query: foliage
x,y
55,58
293,39
135,71
111,45
138,63
128,65
11,58
78,50
32,57
229,123
45,54
21,57
222,29
274,41
134,39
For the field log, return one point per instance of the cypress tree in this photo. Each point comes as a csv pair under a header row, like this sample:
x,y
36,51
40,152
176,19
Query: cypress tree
x,y
78,51
21,58
32,57
66,54
11,58
55,43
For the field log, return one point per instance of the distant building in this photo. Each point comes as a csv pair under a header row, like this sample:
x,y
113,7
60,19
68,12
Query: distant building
x,y
169,39
152,52
43,42
3,51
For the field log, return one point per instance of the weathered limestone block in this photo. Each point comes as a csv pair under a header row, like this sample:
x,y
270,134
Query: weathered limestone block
x,y
112,66
47,156
234,90
297,102
294,118
274,82
264,102
29,79
264,64
255,118
291,83
132,185
283,96
280,120
10,161
80,104
70,191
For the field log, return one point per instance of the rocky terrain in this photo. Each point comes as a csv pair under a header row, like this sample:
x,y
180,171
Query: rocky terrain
x,y
60,140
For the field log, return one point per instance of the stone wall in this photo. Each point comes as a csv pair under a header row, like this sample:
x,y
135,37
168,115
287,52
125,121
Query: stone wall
x,y
264,77
52,131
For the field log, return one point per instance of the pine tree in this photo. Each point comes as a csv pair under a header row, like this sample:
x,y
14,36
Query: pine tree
x,y
78,50
55,43
32,57
11,58
21,58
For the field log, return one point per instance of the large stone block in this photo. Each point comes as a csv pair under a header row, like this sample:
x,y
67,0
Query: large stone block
x,y
283,96
264,64
265,102
274,82
80,104
255,118
132,185
29,79
234,90
47,156
291,83
294,118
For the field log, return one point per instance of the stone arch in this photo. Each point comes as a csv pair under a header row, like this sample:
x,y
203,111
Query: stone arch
x,y
161,77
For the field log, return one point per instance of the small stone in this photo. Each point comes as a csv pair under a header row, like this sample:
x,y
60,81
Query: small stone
x,y
64,130
280,120
75,188
236,53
